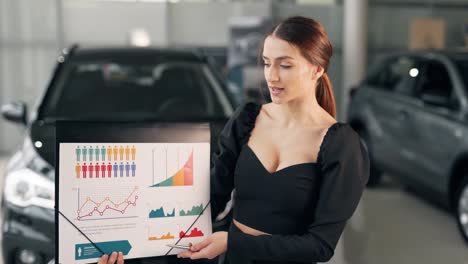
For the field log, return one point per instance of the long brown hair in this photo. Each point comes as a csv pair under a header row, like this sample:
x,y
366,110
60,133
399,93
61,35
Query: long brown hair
x,y
309,36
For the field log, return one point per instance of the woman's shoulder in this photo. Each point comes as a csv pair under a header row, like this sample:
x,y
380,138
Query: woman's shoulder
x,y
339,139
340,133
242,122
246,113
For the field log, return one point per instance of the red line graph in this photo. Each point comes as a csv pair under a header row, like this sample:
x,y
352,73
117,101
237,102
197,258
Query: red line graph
x,y
107,204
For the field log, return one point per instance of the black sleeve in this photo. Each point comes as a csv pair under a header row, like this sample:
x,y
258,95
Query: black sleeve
x,y
344,165
223,162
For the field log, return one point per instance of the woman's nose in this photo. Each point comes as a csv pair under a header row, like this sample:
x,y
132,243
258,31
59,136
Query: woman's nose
x,y
272,75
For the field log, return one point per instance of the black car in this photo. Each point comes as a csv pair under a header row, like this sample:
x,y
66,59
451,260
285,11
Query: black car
x,y
412,111
98,84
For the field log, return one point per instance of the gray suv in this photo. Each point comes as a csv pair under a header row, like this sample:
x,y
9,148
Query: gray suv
x,y
412,111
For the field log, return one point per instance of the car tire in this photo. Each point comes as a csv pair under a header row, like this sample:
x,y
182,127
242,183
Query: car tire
x,y
375,176
462,208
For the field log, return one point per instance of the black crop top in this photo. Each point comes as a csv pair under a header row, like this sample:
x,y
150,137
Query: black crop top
x,y
304,206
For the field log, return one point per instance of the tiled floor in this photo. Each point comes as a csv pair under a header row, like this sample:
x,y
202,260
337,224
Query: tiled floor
x,y
394,226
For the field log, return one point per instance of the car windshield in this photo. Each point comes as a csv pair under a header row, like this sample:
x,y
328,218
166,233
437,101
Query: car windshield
x,y
462,65
135,90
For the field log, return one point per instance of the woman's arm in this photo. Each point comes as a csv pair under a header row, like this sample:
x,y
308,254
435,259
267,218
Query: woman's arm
x,y
224,160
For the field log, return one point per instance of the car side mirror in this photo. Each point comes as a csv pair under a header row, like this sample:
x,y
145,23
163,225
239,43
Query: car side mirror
x,y
15,112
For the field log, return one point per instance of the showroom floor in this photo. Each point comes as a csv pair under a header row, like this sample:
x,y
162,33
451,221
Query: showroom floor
x,y
391,226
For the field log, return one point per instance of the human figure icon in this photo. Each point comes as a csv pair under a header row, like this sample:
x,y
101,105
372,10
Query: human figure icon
x,y
103,170
133,169
84,169
96,151
127,152
90,170
91,152
115,151
109,170
78,153
78,170
103,153
116,169
133,152
121,168
121,152
127,169
84,151
97,168
109,153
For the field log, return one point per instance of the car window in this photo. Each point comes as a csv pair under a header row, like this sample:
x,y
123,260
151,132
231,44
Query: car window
x,y
397,75
110,90
462,65
435,84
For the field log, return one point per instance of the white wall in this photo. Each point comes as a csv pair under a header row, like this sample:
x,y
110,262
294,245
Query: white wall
x,y
109,23
207,24
28,48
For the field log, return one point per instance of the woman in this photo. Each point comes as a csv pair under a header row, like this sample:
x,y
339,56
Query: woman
x,y
298,173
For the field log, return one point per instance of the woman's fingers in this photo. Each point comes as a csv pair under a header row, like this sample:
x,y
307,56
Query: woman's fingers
x,y
205,252
103,259
120,259
112,258
185,254
201,245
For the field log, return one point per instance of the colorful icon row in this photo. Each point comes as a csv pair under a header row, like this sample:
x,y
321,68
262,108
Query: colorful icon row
x,y
89,153
89,170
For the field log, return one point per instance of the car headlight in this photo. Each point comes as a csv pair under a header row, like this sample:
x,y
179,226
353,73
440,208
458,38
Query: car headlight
x,y
26,187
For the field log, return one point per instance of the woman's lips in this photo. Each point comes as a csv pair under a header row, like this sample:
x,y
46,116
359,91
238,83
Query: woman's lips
x,y
276,91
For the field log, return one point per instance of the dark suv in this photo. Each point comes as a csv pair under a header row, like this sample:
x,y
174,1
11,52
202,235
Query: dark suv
x,y
102,84
412,111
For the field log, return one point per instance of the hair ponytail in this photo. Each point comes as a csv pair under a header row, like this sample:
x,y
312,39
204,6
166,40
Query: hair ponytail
x,y
325,96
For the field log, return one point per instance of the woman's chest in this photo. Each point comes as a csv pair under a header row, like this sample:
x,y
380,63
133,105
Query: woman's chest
x,y
278,149
291,189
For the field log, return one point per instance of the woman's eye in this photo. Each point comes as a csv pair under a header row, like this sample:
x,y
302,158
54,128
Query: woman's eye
x,y
285,66
266,64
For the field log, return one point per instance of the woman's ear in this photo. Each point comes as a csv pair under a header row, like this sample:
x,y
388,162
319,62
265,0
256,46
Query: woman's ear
x,y
318,72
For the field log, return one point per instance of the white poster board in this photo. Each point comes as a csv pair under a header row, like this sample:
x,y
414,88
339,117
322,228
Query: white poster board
x,y
131,196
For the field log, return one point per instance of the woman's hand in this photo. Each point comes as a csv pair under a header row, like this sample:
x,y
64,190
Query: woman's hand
x,y
105,259
210,248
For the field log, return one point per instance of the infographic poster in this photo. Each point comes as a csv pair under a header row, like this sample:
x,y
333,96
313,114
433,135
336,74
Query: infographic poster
x,y
131,196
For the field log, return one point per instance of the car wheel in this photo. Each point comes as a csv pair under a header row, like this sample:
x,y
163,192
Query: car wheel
x,y
375,176
462,208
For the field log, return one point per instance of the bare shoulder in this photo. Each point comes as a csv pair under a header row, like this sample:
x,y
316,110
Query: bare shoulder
x,y
264,115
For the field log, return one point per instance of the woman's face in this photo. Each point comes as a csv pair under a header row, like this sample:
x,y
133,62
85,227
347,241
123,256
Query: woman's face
x,y
288,74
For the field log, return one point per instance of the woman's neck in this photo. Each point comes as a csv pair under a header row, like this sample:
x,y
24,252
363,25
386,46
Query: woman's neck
x,y
304,111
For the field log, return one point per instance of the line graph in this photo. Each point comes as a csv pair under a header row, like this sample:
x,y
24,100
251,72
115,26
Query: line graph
x,y
105,207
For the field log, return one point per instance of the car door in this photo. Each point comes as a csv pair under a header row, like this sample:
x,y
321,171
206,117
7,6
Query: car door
x,y
434,130
391,110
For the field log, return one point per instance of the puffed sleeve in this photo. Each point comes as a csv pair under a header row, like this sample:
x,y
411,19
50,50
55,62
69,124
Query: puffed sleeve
x,y
344,163
223,162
